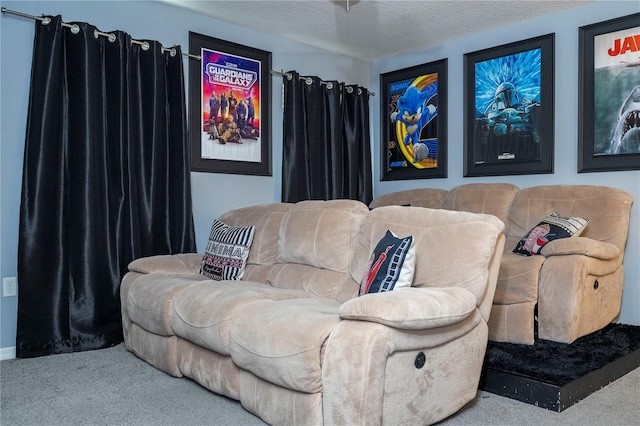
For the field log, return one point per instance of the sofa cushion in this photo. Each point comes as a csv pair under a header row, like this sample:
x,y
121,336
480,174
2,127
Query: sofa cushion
x,y
552,227
455,248
281,341
227,251
413,308
267,219
319,282
202,312
391,265
180,263
417,197
607,209
320,233
149,301
489,198
518,279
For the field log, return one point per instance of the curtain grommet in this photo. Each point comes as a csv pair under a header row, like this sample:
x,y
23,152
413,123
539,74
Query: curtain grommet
x,y
309,81
145,46
349,89
329,85
112,37
289,76
173,52
75,29
45,20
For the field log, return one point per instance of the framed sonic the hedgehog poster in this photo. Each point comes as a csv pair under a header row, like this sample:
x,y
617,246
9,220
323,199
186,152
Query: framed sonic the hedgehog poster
x,y
609,95
414,122
508,111
229,103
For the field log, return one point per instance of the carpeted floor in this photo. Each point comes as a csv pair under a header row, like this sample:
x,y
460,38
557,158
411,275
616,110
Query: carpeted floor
x,y
113,387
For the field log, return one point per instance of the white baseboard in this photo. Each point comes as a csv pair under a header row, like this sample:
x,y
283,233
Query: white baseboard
x,y
7,353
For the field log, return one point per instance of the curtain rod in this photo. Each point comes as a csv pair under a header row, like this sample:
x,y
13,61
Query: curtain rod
x,y
75,29
145,45
309,80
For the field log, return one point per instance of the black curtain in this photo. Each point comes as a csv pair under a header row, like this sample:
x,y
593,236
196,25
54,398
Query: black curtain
x,y
105,180
326,146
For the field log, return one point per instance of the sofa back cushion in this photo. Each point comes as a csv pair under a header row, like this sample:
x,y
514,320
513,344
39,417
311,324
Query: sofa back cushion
x,y
418,197
320,235
489,198
266,218
608,211
453,249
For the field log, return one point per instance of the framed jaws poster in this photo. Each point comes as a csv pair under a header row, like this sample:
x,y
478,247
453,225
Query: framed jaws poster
x,y
229,103
609,97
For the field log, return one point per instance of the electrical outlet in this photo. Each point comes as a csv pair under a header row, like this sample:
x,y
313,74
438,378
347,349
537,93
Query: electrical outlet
x,y
9,287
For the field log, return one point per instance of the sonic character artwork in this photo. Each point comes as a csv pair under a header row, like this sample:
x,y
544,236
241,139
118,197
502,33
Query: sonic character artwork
x,y
415,118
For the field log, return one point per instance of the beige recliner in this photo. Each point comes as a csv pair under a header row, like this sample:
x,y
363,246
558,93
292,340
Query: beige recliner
x,y
575,284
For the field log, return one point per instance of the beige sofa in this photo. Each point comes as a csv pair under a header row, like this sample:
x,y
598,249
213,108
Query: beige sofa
x,y
575,286
293,341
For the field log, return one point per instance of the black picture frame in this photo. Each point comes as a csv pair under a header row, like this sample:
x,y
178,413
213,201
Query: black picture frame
x,y
509,109
425,87
609,81
240,141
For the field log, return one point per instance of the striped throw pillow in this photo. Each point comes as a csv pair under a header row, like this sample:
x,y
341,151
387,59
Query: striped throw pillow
x,y
225,257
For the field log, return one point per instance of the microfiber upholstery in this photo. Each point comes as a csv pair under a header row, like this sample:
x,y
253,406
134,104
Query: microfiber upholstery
x,y
608,210
492,198
203,311
574,284
151,301
294,343
418,197
316,281
320,234
454,264
266,218
291,357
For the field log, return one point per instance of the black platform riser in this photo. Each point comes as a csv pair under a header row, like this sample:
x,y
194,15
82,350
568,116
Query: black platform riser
x,y
551,396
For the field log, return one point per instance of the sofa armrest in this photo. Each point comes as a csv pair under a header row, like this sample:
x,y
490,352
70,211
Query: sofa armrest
x,y
412,308
581,246
184,263
377,363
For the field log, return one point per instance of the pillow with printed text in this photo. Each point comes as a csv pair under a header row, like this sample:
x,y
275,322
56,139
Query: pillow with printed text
x,y
225,257
552,227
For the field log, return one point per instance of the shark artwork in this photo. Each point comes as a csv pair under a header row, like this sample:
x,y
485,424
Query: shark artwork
x,y
626,137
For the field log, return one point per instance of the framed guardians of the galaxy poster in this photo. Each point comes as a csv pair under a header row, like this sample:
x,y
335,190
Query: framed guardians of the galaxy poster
x,y
414,122
229,106
508,111
609,95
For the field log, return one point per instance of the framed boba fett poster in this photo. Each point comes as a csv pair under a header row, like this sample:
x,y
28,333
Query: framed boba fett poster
x,y
508,110
414,122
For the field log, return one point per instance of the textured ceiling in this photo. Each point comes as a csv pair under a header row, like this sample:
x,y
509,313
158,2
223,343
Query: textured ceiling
x,y
373,29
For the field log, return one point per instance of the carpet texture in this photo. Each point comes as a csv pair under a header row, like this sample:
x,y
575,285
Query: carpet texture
x,y
561,363
113,387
